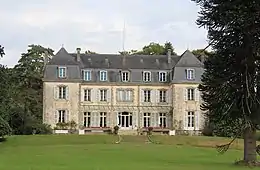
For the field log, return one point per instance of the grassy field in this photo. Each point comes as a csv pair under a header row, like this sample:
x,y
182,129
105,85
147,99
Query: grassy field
x,y
99,152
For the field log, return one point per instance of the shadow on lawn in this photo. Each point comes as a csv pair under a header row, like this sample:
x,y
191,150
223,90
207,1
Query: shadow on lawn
x,y
2,140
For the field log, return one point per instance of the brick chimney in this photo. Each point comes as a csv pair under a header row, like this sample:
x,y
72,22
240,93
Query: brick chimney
x,y
78,54
169,56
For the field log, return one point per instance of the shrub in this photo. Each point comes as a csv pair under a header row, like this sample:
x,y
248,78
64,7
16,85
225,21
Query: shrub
x,y
5,129
116,129
42,129
150,130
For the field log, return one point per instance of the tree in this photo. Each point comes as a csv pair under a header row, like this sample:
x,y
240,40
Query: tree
x,y
152,49
90,52
199,52
2,53
231,83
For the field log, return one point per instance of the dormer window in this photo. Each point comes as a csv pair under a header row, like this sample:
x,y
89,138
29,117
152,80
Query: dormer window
x,y
61,72
146,76
162,76
87,75
103,75
125,76
190,74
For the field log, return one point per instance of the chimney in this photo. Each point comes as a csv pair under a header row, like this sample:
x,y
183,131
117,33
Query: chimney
x,y
45,57
157,61
78,54
107,62
124,60
169,56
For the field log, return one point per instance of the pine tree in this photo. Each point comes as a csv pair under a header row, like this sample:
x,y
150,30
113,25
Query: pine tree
x,y
231,81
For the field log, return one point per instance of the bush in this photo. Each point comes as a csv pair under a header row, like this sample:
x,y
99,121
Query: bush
x,y
42,129
5,129
116,129
150,130
258,135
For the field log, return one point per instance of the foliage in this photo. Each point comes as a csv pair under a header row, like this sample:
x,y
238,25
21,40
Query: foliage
x,y
116,129
199,52
152,49
230,87
5,129
62,126
2,53
90,52
150,130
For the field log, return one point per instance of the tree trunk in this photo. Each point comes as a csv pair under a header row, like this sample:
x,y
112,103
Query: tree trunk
x,y
250,145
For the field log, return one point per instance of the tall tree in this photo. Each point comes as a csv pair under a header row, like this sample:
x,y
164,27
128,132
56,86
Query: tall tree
x,y
199,52
152,49
2,53
231,83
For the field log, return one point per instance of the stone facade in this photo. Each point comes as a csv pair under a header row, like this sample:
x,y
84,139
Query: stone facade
x,y
93,105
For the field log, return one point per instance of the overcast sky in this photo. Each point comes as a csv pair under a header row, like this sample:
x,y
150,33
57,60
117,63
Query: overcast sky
x,y
97,25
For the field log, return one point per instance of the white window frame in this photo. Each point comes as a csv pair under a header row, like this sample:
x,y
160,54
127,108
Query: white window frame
x,y
103,75
125,95
87,95
103,95
190,94
190,74
146,120
62,72
87,75
147,95
62,92
162,76
87,119
62,116
162,96
103,119
190,120
161,122
147,76
125,76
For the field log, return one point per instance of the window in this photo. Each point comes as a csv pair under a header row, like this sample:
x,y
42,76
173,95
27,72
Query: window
x,y
103,119
162,94
87,119
146,76
190,74
103,95
190,94
62,72
125,119
103,75
162,76
62,92
147,95
125,76
191,120
124,95
87,75
162,120
147,119
87,95
61,116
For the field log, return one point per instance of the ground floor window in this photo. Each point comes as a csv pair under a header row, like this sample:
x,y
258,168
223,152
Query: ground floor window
x,y
191,120
87,119
125,119
163,120
103,119
61,116
147,119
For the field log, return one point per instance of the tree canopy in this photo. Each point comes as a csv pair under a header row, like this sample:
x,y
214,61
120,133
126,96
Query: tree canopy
x,y
230,85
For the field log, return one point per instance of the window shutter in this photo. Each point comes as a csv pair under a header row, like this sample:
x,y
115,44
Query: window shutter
x,y
92,95
56,92
92,119
185,121
185,94
67,116
197,95
67,92
186,73
98,119
82,94
108,119
168,96
98,94
108,95
56,114
197,120
157,96
141,95
153,96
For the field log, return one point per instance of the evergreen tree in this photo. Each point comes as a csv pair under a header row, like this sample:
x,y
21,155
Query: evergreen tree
x,y
231,85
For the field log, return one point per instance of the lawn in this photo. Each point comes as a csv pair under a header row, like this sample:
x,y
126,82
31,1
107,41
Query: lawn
x,y
99,152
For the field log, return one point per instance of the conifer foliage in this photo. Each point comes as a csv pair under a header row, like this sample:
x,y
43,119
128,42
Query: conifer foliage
x,y
231,81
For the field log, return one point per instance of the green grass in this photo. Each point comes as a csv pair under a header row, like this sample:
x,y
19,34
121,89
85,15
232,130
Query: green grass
x,y
98,152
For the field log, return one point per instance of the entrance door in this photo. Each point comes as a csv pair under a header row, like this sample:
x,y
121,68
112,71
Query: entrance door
x,y
125,120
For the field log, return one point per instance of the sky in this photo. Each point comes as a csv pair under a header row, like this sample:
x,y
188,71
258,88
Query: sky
x,y
97,25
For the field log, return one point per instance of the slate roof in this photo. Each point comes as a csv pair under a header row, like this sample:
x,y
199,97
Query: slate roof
x,y
117,61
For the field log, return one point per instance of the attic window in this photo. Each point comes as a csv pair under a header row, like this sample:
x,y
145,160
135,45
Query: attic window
x,y
190,74
61,72
125,76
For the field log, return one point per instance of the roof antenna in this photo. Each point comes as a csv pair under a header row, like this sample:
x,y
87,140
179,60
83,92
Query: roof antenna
x,y
62,45
123,38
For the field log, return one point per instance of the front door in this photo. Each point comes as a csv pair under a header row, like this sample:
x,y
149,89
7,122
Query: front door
x,y
125,120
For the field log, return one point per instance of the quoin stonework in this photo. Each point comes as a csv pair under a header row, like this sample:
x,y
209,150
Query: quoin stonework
x,y
100,91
